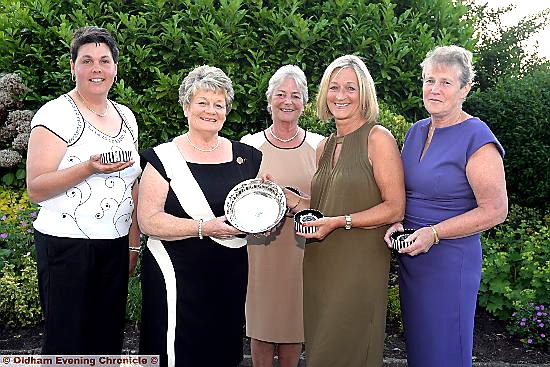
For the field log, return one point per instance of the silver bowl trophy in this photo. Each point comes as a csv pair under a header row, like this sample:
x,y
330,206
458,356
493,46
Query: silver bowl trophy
x,y
253,206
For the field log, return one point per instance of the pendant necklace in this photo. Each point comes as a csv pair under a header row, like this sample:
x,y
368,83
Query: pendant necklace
x,y
283,140
89,108
204,150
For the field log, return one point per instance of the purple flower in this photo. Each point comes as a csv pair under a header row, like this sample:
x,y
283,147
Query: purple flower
x,y
542,307
3,217
539,313
24,224
33,214
522,324
530,341
29,230
541,324
543,335
3,235
537,308
524,319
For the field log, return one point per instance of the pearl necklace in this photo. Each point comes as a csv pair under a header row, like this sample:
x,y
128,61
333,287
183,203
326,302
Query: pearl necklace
x,y
203,150
84,101
283,140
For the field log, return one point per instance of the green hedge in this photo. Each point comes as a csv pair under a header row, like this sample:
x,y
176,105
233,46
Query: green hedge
x,y
516,263
162,40
517,111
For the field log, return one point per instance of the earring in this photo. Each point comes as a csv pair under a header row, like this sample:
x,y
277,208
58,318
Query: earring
x,y
116,78
73,78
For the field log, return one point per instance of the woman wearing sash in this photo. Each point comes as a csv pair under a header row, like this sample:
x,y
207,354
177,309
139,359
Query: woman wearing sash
x,y
194,269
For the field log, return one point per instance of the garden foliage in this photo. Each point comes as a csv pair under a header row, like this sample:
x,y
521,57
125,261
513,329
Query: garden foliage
x,y
516,263
517,111
531,323
19,304
162,40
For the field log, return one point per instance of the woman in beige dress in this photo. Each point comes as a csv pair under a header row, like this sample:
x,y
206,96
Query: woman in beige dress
x,y
359,188
274,317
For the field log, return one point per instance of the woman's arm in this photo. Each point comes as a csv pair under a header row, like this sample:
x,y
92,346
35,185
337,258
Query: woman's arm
x,y
485,172
153,220
388,173
44,155
133,234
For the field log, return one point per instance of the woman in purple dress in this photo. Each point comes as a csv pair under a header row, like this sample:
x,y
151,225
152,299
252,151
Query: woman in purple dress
x,y
455,187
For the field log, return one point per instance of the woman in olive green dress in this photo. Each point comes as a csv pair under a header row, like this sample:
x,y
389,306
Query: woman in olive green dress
x,y
359,188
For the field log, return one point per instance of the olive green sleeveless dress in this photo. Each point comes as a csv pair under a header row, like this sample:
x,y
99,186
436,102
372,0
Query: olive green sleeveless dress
x,y
346,274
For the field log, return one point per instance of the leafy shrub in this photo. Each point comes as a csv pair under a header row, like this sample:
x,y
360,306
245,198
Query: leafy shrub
x,y
162,40
20,302
394,307
16,217
392,121
516,263
517,111
531,323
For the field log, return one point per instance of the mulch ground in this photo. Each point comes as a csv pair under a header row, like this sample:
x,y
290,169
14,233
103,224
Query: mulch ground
x,y
491,342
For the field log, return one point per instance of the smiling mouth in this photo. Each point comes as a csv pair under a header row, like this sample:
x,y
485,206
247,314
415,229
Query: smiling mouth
x,y
286,110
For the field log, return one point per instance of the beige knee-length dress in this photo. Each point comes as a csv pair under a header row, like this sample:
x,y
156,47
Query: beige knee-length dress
x,y
274,307
346,274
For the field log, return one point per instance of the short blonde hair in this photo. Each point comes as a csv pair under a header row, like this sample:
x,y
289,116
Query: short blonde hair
x,y
452,56
367,92
206,78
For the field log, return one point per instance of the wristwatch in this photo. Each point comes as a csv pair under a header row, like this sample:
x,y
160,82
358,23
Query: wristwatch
x,y
348,221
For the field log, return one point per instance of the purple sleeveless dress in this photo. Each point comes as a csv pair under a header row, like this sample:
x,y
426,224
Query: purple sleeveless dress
x,y
438,289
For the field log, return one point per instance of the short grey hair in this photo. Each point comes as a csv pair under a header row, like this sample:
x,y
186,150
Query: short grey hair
x,y
206,78
452,56
284,72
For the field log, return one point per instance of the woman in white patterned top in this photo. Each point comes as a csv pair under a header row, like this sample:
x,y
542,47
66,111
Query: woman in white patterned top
x,y
86,235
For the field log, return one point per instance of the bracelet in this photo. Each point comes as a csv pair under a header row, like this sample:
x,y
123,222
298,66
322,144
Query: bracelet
x,y
295,206
200,229
436,237
134,249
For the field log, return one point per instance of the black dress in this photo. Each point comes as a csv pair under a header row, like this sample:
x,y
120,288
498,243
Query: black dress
x,y
209,280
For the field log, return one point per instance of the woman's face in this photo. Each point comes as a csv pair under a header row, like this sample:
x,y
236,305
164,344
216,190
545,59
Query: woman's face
x,y
94,68
441,91
206,111
286,102
343,98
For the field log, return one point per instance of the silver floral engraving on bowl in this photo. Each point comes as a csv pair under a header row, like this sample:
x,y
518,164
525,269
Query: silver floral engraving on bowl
x,y
253,206
304,216
398,239
116,156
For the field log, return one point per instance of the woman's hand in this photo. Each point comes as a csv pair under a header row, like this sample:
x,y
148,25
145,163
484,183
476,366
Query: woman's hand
x,y
421,241
219,228
396,227
324,227
98,167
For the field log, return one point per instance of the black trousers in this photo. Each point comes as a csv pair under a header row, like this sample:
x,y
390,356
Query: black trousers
x,y
83,288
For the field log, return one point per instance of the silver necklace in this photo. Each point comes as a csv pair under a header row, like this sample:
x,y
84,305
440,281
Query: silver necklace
x,y
89,108
283,140
204,150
